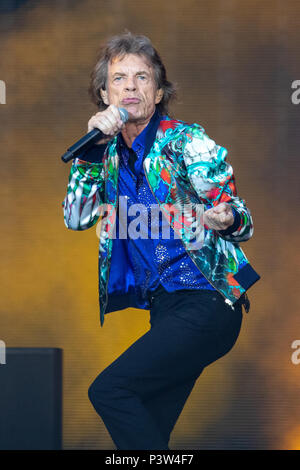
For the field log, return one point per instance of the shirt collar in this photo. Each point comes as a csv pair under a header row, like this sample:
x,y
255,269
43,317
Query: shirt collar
x,y
144,141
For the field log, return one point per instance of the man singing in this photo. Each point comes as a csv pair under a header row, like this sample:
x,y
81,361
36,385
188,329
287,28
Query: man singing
x,y
194,292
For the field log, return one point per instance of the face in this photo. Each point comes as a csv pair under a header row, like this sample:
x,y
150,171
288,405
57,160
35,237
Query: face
x,y
131,85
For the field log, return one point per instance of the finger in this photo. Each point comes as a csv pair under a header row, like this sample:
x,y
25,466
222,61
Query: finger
x,y
209,211
215,216
211,222
219,221
229,209
105,124
223,217
227,221
220,207
112,113
111,123
216,210
115,116
98,123
93,124
115,111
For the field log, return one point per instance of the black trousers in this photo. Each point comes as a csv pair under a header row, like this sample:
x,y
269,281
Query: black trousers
x,y
142,393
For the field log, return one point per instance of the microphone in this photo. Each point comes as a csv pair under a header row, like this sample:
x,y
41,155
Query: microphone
x,y
88,140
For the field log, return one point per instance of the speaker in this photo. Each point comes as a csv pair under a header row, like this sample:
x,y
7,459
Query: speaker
x,y
31,399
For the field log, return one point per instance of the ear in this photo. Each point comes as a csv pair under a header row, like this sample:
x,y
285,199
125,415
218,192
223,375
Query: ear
x,y
104,96
159,95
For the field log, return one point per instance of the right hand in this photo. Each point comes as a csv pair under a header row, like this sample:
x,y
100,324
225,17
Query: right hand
x,y
108,121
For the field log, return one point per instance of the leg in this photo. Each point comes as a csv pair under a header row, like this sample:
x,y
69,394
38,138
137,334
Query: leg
x,y
118,393
165,362
166,407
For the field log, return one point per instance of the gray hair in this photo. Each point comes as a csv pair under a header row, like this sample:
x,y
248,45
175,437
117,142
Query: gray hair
x,y
118,46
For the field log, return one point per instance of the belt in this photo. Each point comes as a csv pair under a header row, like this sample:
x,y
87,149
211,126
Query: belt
x,y
243,300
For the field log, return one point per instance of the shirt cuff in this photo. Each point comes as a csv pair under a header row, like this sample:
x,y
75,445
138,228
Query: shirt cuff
x,y
93,154
234,226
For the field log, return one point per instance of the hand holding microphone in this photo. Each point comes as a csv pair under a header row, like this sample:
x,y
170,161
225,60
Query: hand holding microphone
x,y
110,122
102,127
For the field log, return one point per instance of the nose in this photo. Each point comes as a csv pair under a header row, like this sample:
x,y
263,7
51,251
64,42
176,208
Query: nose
x,y
130,84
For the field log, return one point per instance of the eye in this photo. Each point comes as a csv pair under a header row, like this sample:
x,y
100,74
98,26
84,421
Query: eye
x,y
142,77
117,79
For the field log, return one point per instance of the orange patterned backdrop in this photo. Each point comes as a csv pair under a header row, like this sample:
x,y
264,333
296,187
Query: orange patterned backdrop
x,y
234,63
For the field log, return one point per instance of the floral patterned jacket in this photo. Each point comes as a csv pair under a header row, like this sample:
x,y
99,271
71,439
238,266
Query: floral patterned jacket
x,y
184,166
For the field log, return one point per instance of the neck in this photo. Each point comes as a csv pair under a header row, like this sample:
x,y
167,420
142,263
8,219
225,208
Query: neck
x,y
133,129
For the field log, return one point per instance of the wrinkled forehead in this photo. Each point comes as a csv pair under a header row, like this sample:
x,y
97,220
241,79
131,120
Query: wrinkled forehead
x,y
137,62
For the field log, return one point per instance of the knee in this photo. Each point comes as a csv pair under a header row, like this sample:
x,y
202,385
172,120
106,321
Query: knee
x,y
98,391
91,393
95,391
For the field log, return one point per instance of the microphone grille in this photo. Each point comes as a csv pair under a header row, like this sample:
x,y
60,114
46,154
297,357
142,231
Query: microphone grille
x,y
124,114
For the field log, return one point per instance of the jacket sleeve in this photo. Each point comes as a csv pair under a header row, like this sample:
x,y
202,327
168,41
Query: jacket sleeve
x,y
85,193
212,177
